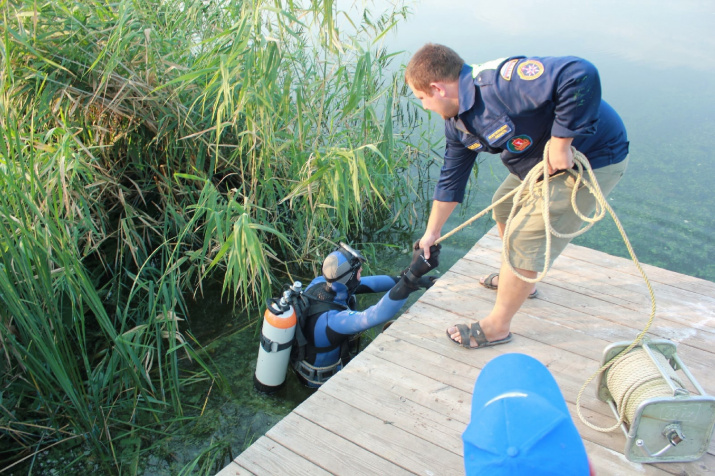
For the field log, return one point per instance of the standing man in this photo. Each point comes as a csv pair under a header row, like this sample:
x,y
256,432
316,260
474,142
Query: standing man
x,y
514,106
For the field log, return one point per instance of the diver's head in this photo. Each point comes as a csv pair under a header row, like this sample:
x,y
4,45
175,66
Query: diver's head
x,y
343,265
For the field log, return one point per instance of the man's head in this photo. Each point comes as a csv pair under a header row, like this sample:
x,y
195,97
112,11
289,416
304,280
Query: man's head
x,y
433,76
343,266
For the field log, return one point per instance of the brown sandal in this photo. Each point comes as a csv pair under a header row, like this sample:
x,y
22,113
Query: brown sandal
x,y
475,331
487,283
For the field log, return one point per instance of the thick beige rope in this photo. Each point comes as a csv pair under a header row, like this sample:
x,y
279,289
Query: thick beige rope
x,y
527,189
635,378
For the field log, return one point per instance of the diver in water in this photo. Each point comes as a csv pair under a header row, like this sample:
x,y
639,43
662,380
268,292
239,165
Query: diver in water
x,y
331,322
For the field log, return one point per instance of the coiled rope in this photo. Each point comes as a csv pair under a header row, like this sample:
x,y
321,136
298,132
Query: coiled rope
x,y
528,188
635,378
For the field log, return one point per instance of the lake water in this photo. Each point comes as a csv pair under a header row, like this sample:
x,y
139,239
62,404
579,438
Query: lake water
x,y
656,64
657,70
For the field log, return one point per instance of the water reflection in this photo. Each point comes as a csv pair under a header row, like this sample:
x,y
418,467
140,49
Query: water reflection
x,y
656,33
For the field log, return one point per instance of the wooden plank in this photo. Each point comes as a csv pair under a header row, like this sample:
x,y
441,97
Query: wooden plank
x,y
379,436
690,309
402,412
607,327
233,469
570,371
399,351
427,392
328,450
610,263
567,368
265,456
607,462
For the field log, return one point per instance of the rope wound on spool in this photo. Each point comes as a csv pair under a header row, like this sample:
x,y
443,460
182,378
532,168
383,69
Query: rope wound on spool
x,y
636,378
663,421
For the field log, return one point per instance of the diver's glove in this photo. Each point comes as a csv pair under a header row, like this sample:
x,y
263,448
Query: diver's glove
x,y
411,279
426,282
420,265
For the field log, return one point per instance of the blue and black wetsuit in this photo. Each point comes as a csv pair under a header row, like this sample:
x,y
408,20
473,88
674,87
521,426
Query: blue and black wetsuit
x,y
327,333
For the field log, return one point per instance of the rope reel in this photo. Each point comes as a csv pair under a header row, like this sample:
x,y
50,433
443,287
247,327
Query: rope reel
x,y
662,419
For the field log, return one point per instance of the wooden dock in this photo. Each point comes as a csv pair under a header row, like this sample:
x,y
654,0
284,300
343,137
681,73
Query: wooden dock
x,y
401,405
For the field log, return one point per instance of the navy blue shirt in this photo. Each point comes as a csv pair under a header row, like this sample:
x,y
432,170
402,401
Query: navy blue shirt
x,y
513,106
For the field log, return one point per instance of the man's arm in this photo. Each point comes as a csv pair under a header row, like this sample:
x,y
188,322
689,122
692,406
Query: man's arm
x,y
438,217
560,154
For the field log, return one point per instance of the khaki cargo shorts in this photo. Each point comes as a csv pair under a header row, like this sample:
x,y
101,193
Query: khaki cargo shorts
x,y
528,238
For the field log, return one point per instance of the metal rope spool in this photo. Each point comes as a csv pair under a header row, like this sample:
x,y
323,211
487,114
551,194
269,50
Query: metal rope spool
x,y
663,421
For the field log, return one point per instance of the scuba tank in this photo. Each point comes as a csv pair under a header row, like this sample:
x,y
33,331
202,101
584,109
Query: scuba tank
x,y
277,334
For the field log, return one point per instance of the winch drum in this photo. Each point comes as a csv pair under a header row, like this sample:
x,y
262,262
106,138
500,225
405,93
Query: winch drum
x,y
670,428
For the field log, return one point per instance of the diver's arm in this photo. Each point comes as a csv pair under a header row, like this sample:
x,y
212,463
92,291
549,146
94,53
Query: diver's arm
x,y
375,284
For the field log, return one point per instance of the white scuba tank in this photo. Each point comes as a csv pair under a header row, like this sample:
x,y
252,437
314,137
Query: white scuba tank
x,y
277,333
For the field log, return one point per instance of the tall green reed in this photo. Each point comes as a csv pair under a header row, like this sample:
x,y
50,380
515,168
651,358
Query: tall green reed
x,y
146,147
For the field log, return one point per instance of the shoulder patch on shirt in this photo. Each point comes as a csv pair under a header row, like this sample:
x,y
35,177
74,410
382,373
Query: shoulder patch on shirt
x,y
530,70
519,143
476,145
478,68
508,69
498,133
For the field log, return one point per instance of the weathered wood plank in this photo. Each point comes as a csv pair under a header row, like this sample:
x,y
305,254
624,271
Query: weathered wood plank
x,y
402,412
233,469
327,449
379,436
607,323
691,310
612,264
265,456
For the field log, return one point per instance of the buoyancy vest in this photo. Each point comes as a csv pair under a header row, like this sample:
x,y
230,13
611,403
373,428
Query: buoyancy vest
x,y
309,305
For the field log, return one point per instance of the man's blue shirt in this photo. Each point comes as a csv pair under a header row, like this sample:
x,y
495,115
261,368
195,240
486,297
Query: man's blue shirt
x,y
513,106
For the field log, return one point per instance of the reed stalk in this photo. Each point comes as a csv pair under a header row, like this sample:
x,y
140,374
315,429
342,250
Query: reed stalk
x,y
146,147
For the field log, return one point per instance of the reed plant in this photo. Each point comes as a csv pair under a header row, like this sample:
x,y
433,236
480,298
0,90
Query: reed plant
x,y
149,146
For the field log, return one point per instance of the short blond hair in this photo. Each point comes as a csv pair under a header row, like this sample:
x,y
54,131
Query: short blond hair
x,y
433,63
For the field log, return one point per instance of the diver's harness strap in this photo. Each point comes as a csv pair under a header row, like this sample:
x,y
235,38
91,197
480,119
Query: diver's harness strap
x,y
410,277
307,305
273,346
316,375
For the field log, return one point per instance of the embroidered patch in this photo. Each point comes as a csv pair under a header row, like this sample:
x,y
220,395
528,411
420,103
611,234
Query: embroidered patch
x,y
499,133
519,143
508,69
475,146
530,70
478,68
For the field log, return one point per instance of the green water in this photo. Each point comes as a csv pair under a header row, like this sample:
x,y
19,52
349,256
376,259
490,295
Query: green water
x,y
656,65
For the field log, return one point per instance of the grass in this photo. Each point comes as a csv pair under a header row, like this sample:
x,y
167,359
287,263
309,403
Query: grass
x,y
147,147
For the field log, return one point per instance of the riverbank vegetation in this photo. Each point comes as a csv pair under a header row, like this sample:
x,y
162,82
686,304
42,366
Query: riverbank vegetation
x,y
149,147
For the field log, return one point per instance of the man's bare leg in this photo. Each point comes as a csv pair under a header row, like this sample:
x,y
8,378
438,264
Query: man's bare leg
x,y
495,281
511,295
